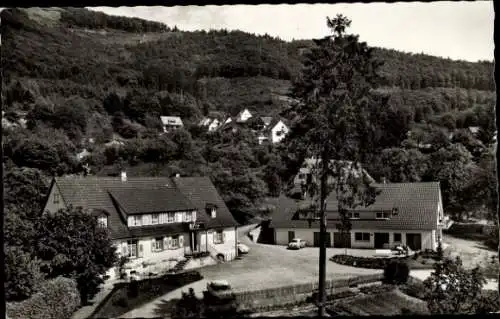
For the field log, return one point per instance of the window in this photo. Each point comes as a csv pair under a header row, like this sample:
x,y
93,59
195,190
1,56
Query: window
x,y
155,218
354,215
175,242
362,236
137,221
170,217
56,197
382,215
102,221
158,244
132,248
397,237
187,216
302,176
211,210
218,237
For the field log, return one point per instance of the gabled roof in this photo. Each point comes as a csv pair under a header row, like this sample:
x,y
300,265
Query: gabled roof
x,y
417,205
274,122
266,119
238,116
171,120
142,194
202,192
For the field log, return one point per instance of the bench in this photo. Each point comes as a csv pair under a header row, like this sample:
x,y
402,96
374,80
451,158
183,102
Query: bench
x,y
383,253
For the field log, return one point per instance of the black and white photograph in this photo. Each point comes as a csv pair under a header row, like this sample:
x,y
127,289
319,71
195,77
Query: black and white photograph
x,y
239,160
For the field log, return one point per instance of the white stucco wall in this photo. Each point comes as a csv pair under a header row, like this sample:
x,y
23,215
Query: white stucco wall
x,y
227,248
428,237
154,256
279,127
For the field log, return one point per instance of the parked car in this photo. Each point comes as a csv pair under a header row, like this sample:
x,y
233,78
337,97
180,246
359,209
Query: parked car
x,y
242,248
297,243
219,289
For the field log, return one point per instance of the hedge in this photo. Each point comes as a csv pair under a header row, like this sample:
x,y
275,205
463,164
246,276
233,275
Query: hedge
x,y
56,299
381,263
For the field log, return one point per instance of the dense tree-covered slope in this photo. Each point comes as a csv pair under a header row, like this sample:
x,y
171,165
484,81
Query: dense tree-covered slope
x,y
75,74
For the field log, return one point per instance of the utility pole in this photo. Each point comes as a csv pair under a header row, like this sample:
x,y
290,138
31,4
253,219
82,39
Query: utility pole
x,y
322,236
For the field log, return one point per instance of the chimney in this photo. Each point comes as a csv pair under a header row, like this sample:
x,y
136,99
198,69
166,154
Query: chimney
x,y
124,176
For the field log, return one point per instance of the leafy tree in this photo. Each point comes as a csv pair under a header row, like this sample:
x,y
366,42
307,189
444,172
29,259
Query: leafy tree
x,y
396,272
25,187
56,298
22,274
113,103
331,123
72,244
482,189
241,189
453,168
401,165
487,127
451,289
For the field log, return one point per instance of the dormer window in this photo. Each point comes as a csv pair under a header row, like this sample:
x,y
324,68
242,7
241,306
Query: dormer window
x,y
211,210
102,221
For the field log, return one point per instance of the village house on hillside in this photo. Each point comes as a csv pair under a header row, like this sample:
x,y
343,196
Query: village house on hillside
x,y
274,132
404,213
243,116
211,123
171,123
154,219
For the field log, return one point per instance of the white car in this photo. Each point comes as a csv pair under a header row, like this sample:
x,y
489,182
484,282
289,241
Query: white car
x,y
243,249
219,288
297,243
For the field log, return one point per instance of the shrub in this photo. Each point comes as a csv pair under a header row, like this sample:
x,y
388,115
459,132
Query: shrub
x,y
22,274
396,272
133,289
57,299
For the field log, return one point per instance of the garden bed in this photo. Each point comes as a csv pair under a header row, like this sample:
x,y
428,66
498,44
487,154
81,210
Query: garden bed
x,y
130,295
392,303
424,260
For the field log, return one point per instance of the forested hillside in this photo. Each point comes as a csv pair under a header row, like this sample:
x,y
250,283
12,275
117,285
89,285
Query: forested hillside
x,y
81,79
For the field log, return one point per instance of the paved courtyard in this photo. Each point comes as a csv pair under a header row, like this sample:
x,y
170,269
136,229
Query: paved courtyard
x,y
265,266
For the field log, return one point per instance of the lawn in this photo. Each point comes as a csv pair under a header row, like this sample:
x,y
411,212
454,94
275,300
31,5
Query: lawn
x,y
393,303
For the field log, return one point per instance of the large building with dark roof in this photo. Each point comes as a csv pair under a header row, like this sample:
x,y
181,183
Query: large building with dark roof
x,y
404,213
153,218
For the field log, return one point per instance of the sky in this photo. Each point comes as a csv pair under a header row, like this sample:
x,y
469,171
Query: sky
x,y
458,30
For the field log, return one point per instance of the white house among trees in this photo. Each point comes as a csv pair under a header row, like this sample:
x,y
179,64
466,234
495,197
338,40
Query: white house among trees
x,y
404,213
153,219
